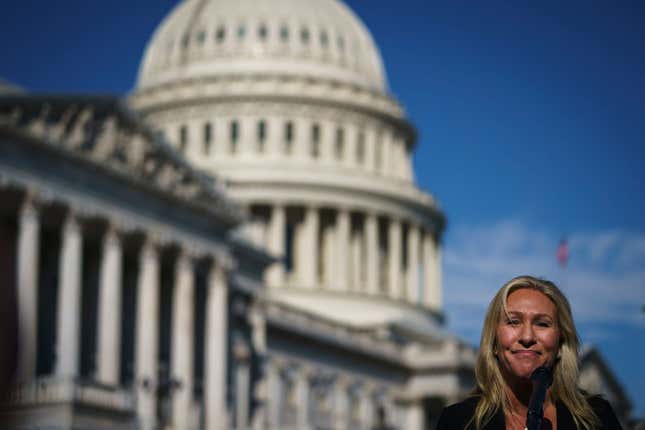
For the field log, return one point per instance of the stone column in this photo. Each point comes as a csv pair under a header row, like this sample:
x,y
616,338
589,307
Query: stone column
x,y
221,142
276,246
329,241
302,138
108,354
242,385
357,281
343,225
247,147
327,142
414,416
309,249
394,259
28,245
351,143
341,404
372,252
387,153
182,340
147,335
370,149
257,321
275,396
69,299
412,293
302,395
216,335
275,137
367,409
432,287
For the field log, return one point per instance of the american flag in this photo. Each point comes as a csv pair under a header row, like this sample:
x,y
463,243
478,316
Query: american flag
x,y
562,254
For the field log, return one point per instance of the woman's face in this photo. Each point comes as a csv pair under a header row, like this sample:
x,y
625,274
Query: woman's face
x,y
529,336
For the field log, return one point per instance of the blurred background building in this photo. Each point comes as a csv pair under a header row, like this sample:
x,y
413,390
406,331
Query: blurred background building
x,y
239,243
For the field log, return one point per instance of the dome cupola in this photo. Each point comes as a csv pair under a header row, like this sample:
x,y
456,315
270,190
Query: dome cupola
x,y
204,39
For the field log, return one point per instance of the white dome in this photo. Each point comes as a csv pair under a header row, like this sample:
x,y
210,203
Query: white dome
x,y
315,39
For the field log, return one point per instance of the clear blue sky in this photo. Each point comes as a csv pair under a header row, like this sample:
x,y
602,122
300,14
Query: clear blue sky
x,y
531,122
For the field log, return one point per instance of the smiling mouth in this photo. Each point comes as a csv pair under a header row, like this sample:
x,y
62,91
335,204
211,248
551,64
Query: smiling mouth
x,y
526,353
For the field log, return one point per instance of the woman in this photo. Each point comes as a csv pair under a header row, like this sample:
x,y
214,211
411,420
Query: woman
x,y
528,325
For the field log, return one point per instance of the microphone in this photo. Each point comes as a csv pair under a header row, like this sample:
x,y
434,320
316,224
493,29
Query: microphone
x,y
542,379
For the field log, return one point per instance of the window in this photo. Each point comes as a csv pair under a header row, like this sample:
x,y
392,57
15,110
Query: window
x,y
263,32
288,138
304,35
284,34
360,147
208,137
315,141
234,136
324,39
201,37
183,139
185,40
340,143
220,34
241,32
261,135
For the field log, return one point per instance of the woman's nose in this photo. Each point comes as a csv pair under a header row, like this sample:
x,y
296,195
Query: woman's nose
x,y
527,336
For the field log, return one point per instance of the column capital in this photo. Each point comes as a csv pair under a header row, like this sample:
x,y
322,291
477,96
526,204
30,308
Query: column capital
x,y
30,199
222,262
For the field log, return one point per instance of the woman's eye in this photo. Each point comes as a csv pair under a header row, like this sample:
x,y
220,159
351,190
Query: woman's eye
x,y
543,324
513,322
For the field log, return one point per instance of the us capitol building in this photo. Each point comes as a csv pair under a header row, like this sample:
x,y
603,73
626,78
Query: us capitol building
x,y
239,244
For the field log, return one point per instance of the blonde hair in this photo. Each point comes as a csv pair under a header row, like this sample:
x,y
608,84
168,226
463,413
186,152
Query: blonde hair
x,y
490,382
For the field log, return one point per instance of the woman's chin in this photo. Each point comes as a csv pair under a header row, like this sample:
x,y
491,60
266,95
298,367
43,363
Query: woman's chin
x,y
524,370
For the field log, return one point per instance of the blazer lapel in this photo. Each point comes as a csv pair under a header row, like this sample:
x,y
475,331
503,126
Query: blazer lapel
x,y
565,419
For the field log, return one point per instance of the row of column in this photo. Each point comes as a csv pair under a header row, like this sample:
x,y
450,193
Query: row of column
x,y
348,404
352,258
68,342
248,137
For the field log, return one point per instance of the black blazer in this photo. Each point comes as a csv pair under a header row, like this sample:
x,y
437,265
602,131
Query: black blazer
x,y
455,417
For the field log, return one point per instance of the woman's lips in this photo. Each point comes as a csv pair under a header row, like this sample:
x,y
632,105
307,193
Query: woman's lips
x,y
526,353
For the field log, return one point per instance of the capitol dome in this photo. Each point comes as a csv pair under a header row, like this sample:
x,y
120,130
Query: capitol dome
x,y
204,39
286,101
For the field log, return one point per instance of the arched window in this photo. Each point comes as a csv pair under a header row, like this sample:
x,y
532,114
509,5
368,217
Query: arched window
x,y
339,147
288,138
183,139
208,137
234,135
315,141
261,135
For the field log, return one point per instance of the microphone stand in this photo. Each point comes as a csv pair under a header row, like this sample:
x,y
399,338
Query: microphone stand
x,y
542,379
